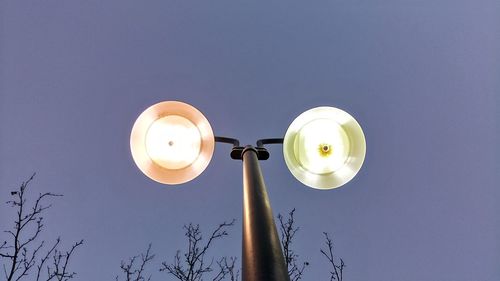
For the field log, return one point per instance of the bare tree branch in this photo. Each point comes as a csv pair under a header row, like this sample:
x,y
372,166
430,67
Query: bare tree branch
x,y
193,265
337,269
133,271
229,265
45,258
288,231
59,271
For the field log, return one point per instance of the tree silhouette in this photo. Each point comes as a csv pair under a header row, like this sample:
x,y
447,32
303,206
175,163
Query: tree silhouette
x,y
191,265
133,271
194,264
337,269
23,254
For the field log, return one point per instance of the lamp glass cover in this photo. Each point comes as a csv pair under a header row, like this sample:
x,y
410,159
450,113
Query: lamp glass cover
x,y
172,142
324,147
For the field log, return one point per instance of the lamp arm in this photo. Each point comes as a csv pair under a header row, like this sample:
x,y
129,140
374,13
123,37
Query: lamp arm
x,y
262,142
232,141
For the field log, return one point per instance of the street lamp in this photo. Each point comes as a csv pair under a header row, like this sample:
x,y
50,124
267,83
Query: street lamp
x,y
324,147
172,143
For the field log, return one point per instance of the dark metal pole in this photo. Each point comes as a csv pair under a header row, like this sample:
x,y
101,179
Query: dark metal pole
x,y
262,255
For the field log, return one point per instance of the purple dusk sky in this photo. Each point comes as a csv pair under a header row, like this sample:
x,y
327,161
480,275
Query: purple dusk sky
x,y
421,77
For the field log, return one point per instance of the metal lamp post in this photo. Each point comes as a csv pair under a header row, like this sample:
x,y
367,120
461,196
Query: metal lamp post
x,y
172,143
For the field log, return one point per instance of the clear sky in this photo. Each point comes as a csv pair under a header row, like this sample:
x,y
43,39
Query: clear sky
x,y
421,77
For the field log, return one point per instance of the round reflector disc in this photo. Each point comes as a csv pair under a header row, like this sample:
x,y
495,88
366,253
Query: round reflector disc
x,y
324,147
172,142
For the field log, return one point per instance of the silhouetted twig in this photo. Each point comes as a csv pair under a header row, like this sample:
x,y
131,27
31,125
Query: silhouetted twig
x,y
336,272
288,231
135,271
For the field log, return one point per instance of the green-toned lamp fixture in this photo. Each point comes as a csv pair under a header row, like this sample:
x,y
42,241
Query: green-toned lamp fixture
x,y
324,147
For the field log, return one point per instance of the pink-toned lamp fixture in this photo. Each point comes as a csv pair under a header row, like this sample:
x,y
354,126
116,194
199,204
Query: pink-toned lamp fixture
x,y
172,142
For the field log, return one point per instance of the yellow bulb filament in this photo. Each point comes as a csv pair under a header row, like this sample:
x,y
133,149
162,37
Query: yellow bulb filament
x,y
325,150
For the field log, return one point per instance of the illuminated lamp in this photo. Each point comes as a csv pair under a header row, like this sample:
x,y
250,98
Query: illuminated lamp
x,y
324,147
172,142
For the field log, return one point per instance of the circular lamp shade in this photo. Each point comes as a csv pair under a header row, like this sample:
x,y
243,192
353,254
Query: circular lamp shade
x,y
172,142
324,147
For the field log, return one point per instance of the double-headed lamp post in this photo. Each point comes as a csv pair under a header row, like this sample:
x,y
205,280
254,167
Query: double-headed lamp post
x,y
324,147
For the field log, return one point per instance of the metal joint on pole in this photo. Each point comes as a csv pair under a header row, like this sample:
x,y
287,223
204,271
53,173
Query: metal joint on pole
x,y
238,151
